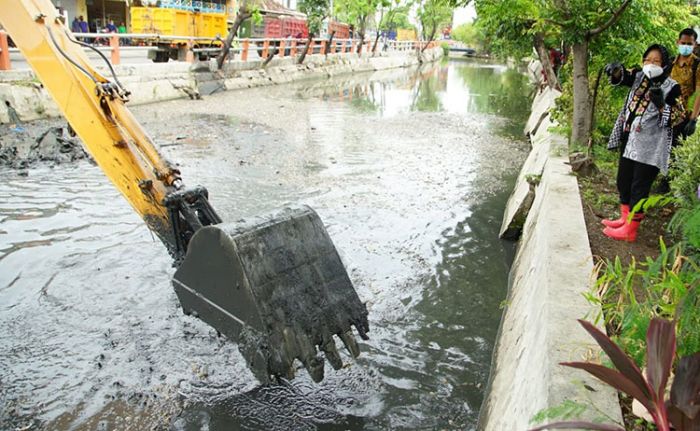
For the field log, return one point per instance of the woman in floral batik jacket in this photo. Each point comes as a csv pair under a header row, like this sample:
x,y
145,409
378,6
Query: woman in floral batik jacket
x,y
643,132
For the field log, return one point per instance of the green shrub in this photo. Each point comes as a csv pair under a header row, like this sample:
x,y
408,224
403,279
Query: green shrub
x,y
685,171
686,221
445,48
631,296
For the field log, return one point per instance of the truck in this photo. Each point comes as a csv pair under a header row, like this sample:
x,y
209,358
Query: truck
x,y
274,27
339,30
204,30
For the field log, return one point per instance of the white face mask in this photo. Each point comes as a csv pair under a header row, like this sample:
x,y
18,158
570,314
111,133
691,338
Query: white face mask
x,y
652,70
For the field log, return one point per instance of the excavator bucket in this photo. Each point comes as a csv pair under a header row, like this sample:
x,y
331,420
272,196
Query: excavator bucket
x,y
277,286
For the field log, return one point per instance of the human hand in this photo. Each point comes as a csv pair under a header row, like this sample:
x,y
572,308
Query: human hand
x,y
614,71
657,97
690,127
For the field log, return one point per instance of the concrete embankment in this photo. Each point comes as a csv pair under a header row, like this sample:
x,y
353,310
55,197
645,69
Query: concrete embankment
x,y
158,82
550,273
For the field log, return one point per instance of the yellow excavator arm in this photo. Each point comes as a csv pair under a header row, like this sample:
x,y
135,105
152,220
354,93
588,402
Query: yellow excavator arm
x,y
275,285
95,108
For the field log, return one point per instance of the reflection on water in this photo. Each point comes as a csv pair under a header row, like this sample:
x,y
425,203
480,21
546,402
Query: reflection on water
x,y
455,87
408,169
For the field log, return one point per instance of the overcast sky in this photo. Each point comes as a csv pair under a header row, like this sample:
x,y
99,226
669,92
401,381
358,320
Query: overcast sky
x,y
464,14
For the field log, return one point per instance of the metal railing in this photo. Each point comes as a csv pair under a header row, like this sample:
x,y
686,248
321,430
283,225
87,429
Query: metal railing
x,y
187,48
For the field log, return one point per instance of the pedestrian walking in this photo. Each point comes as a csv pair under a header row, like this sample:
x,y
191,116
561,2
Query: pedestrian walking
x,y
643,133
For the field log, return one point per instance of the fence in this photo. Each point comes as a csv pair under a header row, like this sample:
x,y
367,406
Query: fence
x,y
184,48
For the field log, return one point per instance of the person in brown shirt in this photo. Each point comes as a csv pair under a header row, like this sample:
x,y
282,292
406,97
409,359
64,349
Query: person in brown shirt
x,y
684,72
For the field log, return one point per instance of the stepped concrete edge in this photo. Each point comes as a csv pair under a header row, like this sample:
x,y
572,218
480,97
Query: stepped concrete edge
x,y
551,271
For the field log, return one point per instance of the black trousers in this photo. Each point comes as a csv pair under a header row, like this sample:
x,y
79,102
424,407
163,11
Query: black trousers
x,y
634,180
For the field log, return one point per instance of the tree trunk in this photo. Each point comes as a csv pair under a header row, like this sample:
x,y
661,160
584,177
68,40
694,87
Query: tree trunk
x,y
362,42
271,55
309,41
376,40
430,39
581,125
330,43
543,54
243,15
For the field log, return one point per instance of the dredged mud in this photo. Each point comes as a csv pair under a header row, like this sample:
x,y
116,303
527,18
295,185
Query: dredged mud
x,y
408,171
47,141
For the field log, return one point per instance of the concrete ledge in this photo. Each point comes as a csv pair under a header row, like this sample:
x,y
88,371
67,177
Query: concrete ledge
x,y
159,82
523,195
30,100
544,100
551,271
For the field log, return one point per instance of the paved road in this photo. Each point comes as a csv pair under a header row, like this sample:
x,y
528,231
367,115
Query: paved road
x,y
129,55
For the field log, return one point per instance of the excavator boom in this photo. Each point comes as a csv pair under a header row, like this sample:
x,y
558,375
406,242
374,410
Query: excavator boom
x,y
275,284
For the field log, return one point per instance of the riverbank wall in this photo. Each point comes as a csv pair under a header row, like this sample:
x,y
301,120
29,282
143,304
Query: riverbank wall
x,y
551,272
157,82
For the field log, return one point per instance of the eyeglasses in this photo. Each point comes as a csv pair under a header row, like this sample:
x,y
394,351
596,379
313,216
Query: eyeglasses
x,y
655,61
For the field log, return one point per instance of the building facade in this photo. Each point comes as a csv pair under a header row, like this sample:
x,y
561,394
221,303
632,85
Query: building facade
x,y
99,12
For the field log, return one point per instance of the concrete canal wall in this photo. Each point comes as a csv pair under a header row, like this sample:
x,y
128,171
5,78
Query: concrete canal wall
x,y
551,271
158,82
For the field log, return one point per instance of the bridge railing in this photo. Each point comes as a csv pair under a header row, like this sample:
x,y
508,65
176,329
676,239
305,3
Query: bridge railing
x,y
186,48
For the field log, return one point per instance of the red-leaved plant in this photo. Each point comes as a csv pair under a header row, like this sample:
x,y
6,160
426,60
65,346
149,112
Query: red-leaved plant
x,y
682,411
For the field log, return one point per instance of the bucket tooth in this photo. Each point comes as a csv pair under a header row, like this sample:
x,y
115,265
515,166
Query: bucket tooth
x,y
314,366
350,344
362,329
308,357
328,348
275,284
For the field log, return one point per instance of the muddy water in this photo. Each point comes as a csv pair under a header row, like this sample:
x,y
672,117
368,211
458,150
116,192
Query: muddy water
x,y
408,169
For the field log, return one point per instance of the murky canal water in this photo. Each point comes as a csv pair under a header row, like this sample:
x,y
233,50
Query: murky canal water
x,y
409,170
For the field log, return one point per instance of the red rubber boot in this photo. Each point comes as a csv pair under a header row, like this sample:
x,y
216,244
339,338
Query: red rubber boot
x,y
626,232
624,212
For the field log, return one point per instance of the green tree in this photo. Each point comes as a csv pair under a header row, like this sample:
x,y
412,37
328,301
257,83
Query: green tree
x,y
470,35
358,13
316,11
517,27
393,12
247,9
433,15
396,16
401,20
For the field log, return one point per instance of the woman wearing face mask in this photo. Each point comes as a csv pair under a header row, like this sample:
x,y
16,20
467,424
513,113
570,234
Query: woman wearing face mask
x,y
643,132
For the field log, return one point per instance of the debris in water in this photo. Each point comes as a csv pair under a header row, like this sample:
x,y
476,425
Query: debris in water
x,y
54,145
